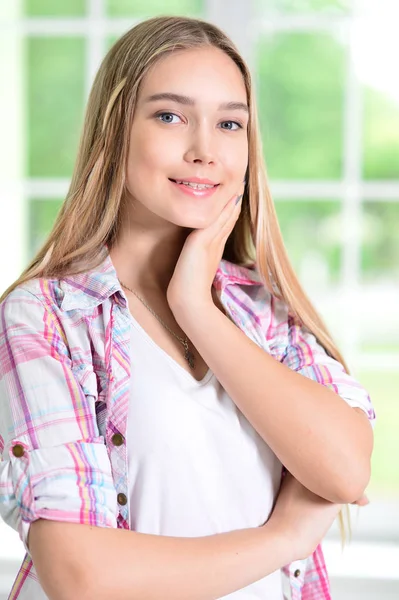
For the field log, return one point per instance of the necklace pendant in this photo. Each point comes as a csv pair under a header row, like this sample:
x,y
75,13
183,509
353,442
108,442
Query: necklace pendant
x,y
189,356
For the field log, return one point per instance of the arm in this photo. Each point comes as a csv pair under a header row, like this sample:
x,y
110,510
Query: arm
x,y
94,563
320,439
54,463
127,565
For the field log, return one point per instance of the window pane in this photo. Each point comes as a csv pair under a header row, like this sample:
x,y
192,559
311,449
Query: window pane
x,y
55,104
298,6
50,8
300,84
381,136
380,242
382,387
42,214
110,41
312,234
127,8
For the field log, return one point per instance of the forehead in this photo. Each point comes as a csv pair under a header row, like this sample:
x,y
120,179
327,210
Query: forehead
x,y
205,73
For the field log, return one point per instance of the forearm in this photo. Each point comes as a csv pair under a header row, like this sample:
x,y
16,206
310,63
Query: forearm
x,y
322,441
131,566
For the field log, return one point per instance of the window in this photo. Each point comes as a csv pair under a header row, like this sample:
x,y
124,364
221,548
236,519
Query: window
x,y
329,113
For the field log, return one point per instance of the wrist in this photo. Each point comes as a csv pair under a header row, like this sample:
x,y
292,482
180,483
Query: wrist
x,y
191,313
284,542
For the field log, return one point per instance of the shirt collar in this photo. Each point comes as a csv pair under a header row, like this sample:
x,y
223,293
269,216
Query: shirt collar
x,y
91,288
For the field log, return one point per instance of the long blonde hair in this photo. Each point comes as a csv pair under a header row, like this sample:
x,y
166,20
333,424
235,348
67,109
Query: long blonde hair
x,y
90,217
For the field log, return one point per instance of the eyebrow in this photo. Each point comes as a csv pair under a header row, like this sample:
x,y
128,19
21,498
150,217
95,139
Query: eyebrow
x,y
191,102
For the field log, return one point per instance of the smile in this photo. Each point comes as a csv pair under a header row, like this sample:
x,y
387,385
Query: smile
x,y
197,186
199,190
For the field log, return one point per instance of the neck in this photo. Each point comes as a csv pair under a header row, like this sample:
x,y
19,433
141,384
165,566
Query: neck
x,y
145,259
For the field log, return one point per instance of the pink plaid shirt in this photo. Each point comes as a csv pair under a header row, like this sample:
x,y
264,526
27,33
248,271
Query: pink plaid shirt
x,y
64,393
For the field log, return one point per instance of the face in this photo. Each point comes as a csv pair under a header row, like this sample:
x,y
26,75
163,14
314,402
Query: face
x,y
196,130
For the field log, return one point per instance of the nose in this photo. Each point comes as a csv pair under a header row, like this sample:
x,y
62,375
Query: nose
x,y
201,148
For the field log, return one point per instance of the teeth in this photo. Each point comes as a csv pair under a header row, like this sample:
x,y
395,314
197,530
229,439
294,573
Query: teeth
x,y
197,186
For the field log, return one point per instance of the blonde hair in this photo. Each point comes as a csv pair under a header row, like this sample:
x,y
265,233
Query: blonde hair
x,y
90,217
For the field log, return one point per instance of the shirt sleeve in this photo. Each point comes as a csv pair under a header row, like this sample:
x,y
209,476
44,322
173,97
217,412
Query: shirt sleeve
x,y
54,464
306,356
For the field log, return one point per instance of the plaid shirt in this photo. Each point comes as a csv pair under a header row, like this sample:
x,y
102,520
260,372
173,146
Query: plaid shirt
x,y
64,393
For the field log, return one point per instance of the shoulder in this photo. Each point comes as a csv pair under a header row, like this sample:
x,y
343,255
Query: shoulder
x,y
31,326
30,299
257,308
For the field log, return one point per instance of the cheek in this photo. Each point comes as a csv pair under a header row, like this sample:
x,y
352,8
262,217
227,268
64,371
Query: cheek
x,y
151,154
235,156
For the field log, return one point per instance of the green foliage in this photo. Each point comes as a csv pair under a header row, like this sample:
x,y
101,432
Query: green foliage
x,y
54,8
42,215
300,81
381,136
140,8
380,241
298,6
382,388
55,104
310,226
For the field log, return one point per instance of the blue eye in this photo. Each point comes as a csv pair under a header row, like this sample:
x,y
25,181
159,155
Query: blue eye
x,y
239,126
159,117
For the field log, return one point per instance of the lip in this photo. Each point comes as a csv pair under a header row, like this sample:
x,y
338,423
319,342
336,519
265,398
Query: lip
x,y
195,180
206,193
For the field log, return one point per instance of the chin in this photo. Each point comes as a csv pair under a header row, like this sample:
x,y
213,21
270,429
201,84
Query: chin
x,y
192,221
195,223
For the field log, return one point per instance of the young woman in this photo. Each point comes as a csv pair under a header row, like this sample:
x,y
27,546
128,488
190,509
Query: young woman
x,y
160,362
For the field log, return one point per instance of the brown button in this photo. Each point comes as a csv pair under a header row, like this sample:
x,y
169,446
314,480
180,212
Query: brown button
x,y
122,499
297,573
117,439
18,450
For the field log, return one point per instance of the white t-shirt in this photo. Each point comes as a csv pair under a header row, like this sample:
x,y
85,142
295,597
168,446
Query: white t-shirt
x,y
196,465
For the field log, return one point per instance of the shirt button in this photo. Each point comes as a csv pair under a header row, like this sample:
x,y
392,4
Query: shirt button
x,y
18,450
122,499
297,573
117,439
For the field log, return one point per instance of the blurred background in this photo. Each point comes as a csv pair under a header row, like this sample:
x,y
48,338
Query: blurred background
x,y
328,90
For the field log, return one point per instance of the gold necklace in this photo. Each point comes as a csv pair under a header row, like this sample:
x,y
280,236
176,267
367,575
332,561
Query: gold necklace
x,y
188,355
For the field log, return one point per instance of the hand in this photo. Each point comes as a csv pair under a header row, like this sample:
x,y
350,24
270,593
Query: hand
x,y
191,283
301,516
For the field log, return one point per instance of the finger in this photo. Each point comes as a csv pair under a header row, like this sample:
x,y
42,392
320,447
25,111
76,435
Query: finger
x,y
363,501
231,210
224,220
226,230
221,235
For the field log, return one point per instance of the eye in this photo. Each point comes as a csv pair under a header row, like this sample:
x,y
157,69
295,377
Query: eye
x,y
166,114
239,126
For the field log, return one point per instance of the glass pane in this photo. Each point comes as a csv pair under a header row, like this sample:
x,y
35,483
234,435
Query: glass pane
x,y
381,135
300,86
55,104
298,6
42,214
380,243
382,387
127,8
50,8
312,235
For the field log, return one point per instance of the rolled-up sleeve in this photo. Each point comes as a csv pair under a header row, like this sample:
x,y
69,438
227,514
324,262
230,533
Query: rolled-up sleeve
x,y
306,356
54,463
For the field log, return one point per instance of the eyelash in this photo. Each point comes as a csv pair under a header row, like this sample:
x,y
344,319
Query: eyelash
x,y
240,126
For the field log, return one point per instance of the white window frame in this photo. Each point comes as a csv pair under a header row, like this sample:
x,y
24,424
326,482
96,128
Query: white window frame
x,y
237,18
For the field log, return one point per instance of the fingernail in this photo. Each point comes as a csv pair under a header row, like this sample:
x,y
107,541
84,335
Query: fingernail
x,y
238,199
